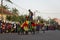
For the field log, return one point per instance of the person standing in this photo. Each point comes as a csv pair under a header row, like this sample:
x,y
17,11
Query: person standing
x,y
37,27
18,28
33,27
3,27
15,27
44,27
0,26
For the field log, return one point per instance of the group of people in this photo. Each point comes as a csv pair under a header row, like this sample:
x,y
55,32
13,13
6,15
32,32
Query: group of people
x,y
28,26
24,28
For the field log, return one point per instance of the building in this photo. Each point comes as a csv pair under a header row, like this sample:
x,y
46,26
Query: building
x,y
57,20
4,13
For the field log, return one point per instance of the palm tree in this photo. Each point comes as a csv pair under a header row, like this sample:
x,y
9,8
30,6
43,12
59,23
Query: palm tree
x,y
3,6
6,0
2,2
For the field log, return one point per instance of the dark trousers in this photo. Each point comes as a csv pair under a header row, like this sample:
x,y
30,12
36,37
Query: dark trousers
x,y
33,31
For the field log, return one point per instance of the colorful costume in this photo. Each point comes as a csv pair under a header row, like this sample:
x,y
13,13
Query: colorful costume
x,y
25,25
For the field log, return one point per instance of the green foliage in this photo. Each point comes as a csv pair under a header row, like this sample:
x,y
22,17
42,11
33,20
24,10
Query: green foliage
x,y
20,19
8,18
5,7
14,10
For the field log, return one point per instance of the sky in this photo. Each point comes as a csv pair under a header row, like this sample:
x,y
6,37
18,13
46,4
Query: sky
x,y
46,8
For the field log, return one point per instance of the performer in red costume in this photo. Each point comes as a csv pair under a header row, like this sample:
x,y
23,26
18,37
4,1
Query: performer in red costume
x,y
25,26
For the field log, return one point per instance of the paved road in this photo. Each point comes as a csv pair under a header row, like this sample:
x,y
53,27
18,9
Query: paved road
x,y
49,35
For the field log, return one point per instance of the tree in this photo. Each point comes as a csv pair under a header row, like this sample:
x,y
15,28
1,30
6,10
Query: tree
x,y
22,18
14,11
9,1
5,0
39,18
8,18
12,18
4,7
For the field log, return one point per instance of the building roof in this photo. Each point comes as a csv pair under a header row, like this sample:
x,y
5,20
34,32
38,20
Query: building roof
x,y
5,11
57,20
